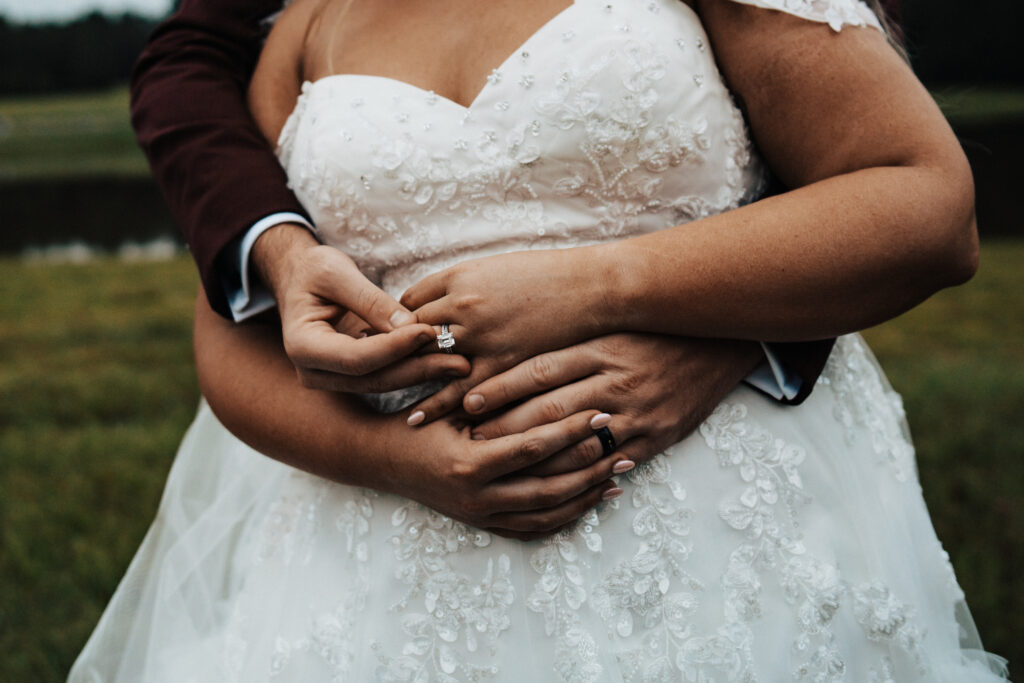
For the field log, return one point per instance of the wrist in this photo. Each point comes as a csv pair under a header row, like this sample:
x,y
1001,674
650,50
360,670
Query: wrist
x,y
275,252
615,281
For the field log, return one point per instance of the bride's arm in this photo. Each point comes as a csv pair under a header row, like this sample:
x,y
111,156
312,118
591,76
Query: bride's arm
x,y
254,390
882,217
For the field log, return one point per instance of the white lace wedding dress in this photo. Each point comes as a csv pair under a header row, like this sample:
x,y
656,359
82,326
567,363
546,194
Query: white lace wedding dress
x,y
776,543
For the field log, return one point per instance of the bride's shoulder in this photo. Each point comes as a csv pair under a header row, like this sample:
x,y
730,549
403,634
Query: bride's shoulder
x,y
277,80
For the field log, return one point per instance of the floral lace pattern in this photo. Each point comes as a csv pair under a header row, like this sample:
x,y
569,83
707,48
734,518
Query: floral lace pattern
x,y
865,403
560,594
836,13
772,484
456,611
592,144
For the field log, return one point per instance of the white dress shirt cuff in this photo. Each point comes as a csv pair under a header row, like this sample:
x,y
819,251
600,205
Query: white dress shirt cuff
x,y
246,295
773,379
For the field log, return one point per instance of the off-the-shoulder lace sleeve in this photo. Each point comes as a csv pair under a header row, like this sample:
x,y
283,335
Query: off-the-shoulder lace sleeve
x,y
835,13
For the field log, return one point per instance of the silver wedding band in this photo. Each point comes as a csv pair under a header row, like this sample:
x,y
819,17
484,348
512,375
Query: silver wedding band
x,y
446,340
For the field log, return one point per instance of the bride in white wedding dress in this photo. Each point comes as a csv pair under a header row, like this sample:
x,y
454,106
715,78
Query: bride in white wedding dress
x,y
775,543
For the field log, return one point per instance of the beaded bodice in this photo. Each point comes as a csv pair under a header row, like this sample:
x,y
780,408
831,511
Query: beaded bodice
x,y
610,121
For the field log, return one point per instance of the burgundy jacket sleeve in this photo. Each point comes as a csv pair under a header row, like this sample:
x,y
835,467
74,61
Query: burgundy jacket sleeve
x,y
215,169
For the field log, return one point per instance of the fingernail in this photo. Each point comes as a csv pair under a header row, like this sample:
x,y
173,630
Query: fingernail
x,y
623,466
611,494
399,318
474,403
478,437
364,334
416,418
600,420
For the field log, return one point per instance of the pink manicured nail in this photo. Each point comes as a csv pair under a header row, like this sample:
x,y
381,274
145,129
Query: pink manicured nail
x,y
399,318
416,418
623,466
600,420
477,437
475,403
611,494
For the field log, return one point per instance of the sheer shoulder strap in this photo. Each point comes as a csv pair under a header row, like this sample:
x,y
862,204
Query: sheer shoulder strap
x,y
835,13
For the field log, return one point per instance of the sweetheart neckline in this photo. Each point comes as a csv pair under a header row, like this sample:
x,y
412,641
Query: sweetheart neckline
x,y
542,29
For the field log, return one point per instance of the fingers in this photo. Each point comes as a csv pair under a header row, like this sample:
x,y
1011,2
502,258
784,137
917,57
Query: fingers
x,y
354,326
317,346
549,407
513,453
458,333
538,374
552,519
404,373
340,281
449,398
428,289
585,453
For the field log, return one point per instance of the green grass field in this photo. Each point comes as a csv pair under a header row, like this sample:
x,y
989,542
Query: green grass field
x,y
68,136
97,387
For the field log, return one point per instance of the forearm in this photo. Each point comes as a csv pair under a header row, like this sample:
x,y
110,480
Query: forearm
x,y
253,389
833,257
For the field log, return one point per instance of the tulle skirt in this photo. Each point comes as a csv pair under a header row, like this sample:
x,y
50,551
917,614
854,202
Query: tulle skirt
x,y
776,543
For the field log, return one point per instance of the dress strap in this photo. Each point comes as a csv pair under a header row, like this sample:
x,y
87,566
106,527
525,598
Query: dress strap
x,y
835,13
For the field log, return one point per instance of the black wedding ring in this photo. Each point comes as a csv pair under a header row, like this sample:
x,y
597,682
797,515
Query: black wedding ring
x,y
604,435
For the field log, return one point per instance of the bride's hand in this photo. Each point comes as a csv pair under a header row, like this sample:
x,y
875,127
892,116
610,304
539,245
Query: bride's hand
x,y
485,483
317,289
504,309
517,304
658,389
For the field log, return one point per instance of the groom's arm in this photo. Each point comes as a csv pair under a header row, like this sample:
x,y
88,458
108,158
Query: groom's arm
x,y
189,111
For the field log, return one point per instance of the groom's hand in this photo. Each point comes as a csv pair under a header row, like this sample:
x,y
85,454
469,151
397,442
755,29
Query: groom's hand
x,y
315,286
658,389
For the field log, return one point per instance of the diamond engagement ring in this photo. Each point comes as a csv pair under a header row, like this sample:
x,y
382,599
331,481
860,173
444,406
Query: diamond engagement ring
x,y
446,340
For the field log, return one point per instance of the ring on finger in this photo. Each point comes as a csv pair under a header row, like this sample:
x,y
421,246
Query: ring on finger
x,y
446,340
608,445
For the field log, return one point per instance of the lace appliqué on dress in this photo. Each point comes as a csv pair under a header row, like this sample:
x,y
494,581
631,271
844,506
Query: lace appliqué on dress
x,y
766,512
835,13
865,402
559,595
457,611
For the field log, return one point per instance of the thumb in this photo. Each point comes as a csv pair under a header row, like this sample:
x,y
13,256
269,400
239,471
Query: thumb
x,y
351,289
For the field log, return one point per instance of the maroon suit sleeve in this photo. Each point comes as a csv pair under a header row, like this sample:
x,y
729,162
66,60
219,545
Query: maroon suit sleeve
x,y
215,169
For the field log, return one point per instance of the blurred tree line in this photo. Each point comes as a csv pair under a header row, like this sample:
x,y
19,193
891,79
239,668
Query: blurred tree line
x,y
950,41
91,53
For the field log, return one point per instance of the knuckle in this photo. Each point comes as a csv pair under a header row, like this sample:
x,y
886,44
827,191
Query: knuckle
x,y
541,370
627,383
474,507
553,410
531,448
549,496
585,453
466,470
545,521
354,365
467,302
